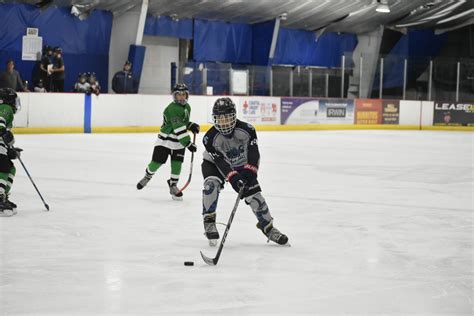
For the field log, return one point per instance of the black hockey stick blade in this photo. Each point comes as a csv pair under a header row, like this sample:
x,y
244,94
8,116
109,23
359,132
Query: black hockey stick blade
x,y
209,261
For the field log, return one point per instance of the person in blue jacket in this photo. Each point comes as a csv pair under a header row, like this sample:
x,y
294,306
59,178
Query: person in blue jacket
x,y
124,81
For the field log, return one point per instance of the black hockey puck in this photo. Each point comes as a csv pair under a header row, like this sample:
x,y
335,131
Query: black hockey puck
x,y
188,263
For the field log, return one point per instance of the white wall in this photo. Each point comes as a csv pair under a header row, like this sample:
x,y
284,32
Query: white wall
x,y
124,33
159,54
128,110
410,112
427,113
139,110
50,110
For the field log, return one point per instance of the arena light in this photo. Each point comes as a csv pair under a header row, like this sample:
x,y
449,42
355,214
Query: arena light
x,y
382,6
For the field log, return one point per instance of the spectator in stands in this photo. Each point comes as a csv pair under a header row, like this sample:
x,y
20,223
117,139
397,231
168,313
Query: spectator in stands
x,y
10,78
39,87
123,81
82,85
57,76
94,83
46,66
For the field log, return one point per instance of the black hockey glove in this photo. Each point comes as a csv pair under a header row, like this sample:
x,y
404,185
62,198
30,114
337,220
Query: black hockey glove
x,y
8,138
192,147
236,180
14,152
193,127
249,174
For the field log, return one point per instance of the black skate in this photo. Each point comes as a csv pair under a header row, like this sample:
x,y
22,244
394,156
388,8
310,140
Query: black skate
x,y
274,234
10,204
174,191
210,229
144,181
5,209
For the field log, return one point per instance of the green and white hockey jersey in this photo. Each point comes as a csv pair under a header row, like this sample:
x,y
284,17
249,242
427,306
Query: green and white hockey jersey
x,y
6,122
173,133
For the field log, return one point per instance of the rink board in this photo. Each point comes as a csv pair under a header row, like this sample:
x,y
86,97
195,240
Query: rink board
x,y
112,113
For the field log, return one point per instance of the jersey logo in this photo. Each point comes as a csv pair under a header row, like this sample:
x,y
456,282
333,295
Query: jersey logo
x,y
205,140
234,153
253,142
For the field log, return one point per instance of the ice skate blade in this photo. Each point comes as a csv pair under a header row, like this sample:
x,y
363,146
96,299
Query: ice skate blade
x,y
177,198
213,242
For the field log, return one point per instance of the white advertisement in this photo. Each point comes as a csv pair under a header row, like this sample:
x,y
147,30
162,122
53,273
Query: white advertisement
x,y
259,110
32,46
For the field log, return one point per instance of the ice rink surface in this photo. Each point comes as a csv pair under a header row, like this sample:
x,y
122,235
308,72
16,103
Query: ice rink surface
x,y
380,222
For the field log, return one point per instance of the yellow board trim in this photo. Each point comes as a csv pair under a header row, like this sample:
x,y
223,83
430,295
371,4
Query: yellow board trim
x,y
206,127
448,128
48,130
126,129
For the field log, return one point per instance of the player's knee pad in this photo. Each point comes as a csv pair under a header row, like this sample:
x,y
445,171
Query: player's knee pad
x,y
210,195
5,164
259,207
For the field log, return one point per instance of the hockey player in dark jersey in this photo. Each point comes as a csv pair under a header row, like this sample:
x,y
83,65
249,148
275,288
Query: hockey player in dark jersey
x,y
232,155
172,140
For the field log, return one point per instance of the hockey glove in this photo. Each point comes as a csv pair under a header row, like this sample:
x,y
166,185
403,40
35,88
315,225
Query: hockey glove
x,y
249,174
14,152
236,180
192,147
8,138
193,127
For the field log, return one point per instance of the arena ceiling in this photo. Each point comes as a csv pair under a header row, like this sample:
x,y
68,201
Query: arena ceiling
x,y
354,16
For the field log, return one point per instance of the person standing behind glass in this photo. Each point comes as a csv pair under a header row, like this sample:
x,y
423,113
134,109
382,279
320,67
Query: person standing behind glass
x,y
10,78
124,81
57,76
46,66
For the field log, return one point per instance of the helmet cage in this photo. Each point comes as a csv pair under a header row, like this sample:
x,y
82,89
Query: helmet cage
x,y
225,123
180,92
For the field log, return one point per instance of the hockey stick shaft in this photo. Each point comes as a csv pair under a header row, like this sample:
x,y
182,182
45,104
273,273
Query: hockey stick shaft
x,y
190,169
214,261
32,182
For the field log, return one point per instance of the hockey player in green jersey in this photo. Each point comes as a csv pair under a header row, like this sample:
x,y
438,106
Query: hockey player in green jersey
x,y
9,104
172,140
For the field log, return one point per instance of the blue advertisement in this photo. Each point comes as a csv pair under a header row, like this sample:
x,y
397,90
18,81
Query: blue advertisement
x,y
316,111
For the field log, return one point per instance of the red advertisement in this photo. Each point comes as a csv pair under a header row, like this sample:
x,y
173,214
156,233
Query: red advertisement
x,y
368,111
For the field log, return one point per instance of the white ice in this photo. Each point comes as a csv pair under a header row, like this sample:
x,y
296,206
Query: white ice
x,y
379,222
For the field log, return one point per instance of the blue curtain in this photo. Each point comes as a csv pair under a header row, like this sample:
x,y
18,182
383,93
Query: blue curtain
x,y
222,42
85,43
261,41
298,47
165,26
417,47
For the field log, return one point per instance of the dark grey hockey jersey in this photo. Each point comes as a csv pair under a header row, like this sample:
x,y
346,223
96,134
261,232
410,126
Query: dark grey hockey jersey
x,y
232,152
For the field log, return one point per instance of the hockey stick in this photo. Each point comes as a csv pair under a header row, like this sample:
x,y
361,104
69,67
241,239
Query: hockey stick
x,y
213,261
190,169
31,179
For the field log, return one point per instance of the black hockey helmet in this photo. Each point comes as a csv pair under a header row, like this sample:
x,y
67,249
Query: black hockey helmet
x,y
9,96
58,50
47,49
180,88
82,77
92,76
224,115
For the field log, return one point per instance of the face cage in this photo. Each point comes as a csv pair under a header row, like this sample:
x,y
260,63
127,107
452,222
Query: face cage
x,y
175,97
228,127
